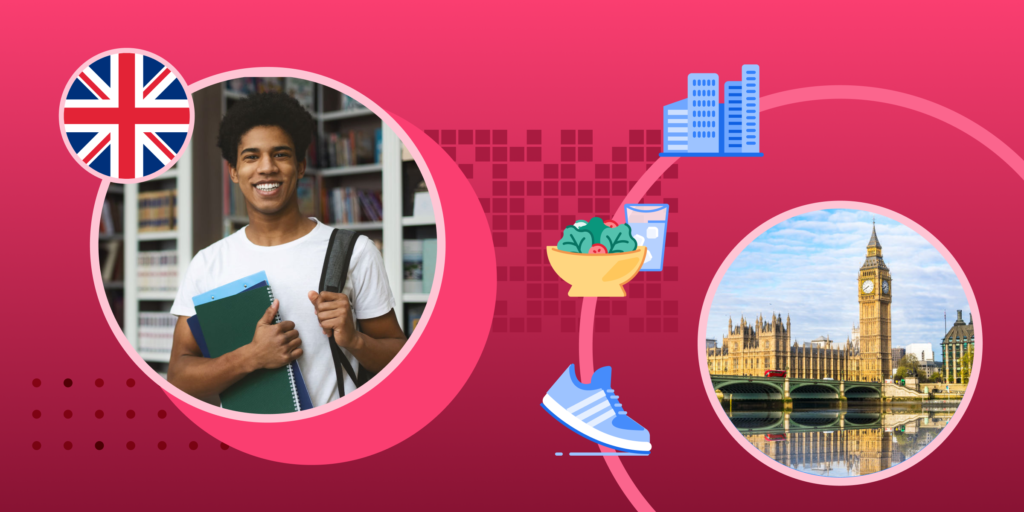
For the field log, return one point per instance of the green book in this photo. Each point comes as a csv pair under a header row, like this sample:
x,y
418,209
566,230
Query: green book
x,y
229,323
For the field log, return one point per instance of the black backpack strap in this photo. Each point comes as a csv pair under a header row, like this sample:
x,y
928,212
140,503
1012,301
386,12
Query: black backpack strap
x,y
333,277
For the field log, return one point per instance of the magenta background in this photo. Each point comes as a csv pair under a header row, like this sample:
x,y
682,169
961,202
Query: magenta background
x,y
527,67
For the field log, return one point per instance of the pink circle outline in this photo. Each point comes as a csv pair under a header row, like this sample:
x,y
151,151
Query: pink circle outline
x,y
63,130
183,397
853,480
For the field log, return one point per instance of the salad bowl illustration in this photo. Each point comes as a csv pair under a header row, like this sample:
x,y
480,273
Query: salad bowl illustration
x,y
597,275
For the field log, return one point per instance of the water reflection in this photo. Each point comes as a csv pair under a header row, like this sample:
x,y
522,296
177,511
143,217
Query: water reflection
x,y
841,443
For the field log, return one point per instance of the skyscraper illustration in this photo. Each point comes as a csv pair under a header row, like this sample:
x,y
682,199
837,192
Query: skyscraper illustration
x,y
751,108
733,133
712,123
675,127
702,91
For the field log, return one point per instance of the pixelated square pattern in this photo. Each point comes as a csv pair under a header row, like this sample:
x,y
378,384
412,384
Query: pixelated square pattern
x,y
533,183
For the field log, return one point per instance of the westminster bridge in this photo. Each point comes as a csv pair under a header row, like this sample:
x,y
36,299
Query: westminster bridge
x,y
753,388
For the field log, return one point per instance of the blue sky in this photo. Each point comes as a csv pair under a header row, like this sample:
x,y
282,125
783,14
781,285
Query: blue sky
x,y
807,267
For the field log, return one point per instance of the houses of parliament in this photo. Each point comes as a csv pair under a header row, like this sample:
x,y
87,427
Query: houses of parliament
x,y
752,348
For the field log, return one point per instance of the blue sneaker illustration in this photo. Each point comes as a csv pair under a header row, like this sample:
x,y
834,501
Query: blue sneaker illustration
x,y
594,412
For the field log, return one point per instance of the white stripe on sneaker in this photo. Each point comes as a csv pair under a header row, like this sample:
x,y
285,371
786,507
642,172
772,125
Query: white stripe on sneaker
x,y
584,429
596,421
594,410
586,401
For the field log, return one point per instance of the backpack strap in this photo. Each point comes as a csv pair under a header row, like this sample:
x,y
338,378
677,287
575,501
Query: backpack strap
x,y
333,277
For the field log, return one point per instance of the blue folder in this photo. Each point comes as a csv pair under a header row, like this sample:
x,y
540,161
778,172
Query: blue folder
x,y
254,282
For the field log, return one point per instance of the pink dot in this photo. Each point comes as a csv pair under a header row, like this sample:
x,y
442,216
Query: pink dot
x,y
99,383
131,445
67,445
99,415
99,445
224,446
193,445
36,383
37,445
67,383
161,445
37,413
67,414
130,414
162,414
131,383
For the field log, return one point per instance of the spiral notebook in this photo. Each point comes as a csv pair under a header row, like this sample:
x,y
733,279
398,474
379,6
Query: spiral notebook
x,y
227,318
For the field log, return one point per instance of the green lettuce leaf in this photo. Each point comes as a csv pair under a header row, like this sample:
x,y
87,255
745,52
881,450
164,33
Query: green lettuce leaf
x,y
574,240
618,239
595,227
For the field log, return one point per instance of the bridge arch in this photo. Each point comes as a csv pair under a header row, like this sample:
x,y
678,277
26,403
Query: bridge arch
x,y
815,419
813,391
749,390
856,392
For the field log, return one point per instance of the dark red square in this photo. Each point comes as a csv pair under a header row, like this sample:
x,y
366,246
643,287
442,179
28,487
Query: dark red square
x,y
551,171
516,188
635,290
516,154
671,273
533,136
672,172
549,273
568,220
568,154
499,171
619,171
533,222
448,137
467,169
501,307
499,222
653,307
516,222
585,154
516,273
499,325
585,188
451,152
533,274
568,308
602,324
501,136
619,188
533,239
533,188
465,136
433,134
551,307
533,256
585,205
619,307
673,204
653,137
602,188
550,205
654,291
533,154
672,239
655,189
550,189
502,273
515,205
586,136
483,154
568,171
636,136
601,171
483,137
636,154
639,277
602,206
653,153
499,188
569,324
485,204
651,276
533,324
671,308
533,290
499,154
568,188
501,239
635,325
653,325
551,291
603,307
568,136
671,324
500,205
618,154
516,324
551,222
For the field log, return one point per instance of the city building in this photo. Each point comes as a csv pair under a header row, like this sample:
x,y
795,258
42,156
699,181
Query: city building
x,y
751,108
710,343
955,345
675,127
733,118
928,368
897,355
702,93
752,348
922,351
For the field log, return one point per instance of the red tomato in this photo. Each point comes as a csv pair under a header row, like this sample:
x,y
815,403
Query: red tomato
x,y
611,223
598,249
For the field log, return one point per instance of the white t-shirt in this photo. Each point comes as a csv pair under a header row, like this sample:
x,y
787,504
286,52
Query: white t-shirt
x,y
293,270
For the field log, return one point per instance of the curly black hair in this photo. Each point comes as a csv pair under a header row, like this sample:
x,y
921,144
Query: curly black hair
x,y
265,109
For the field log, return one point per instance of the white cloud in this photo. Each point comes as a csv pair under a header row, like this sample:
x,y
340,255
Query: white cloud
x,y
807,267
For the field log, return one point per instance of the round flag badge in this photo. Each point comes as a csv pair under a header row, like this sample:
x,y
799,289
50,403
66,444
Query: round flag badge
x,y
126,116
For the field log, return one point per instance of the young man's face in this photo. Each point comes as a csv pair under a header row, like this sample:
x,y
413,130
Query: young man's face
x,y
268,170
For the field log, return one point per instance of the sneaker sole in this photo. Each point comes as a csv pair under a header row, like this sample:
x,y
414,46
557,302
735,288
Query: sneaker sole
x,y
576,425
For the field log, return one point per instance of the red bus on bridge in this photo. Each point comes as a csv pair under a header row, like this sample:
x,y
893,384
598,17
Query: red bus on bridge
x,y
775,373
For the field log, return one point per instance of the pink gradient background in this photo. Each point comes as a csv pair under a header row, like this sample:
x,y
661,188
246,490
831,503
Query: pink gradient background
x,y
548,67
67,143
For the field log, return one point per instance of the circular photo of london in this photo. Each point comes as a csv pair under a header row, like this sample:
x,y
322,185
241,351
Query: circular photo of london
x,y
840,343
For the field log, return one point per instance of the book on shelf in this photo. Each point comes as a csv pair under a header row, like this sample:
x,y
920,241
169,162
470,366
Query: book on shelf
x,y
412,266
156,332
158,271
111,217
348,205
429,263
351,147
302,90
412,317
158,210
111,261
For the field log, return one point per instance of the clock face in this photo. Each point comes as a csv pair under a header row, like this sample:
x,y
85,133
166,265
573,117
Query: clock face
x,y
867,286
885,287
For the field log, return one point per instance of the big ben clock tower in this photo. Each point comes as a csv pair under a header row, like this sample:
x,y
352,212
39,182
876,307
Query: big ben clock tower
x,y
875,297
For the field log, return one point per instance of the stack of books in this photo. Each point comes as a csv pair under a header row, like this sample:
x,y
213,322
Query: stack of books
x,y
355,147
348,205
158,271
158,210
110,218
156,332
111,261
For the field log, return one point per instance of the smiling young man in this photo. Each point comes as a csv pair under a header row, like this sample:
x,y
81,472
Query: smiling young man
x,y
264,139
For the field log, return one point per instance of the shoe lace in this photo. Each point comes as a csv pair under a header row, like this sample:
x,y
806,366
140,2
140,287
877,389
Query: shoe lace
x,y
614,399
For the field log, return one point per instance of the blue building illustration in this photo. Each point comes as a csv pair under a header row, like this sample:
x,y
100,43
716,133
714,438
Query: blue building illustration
x,y
709,123
675,127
